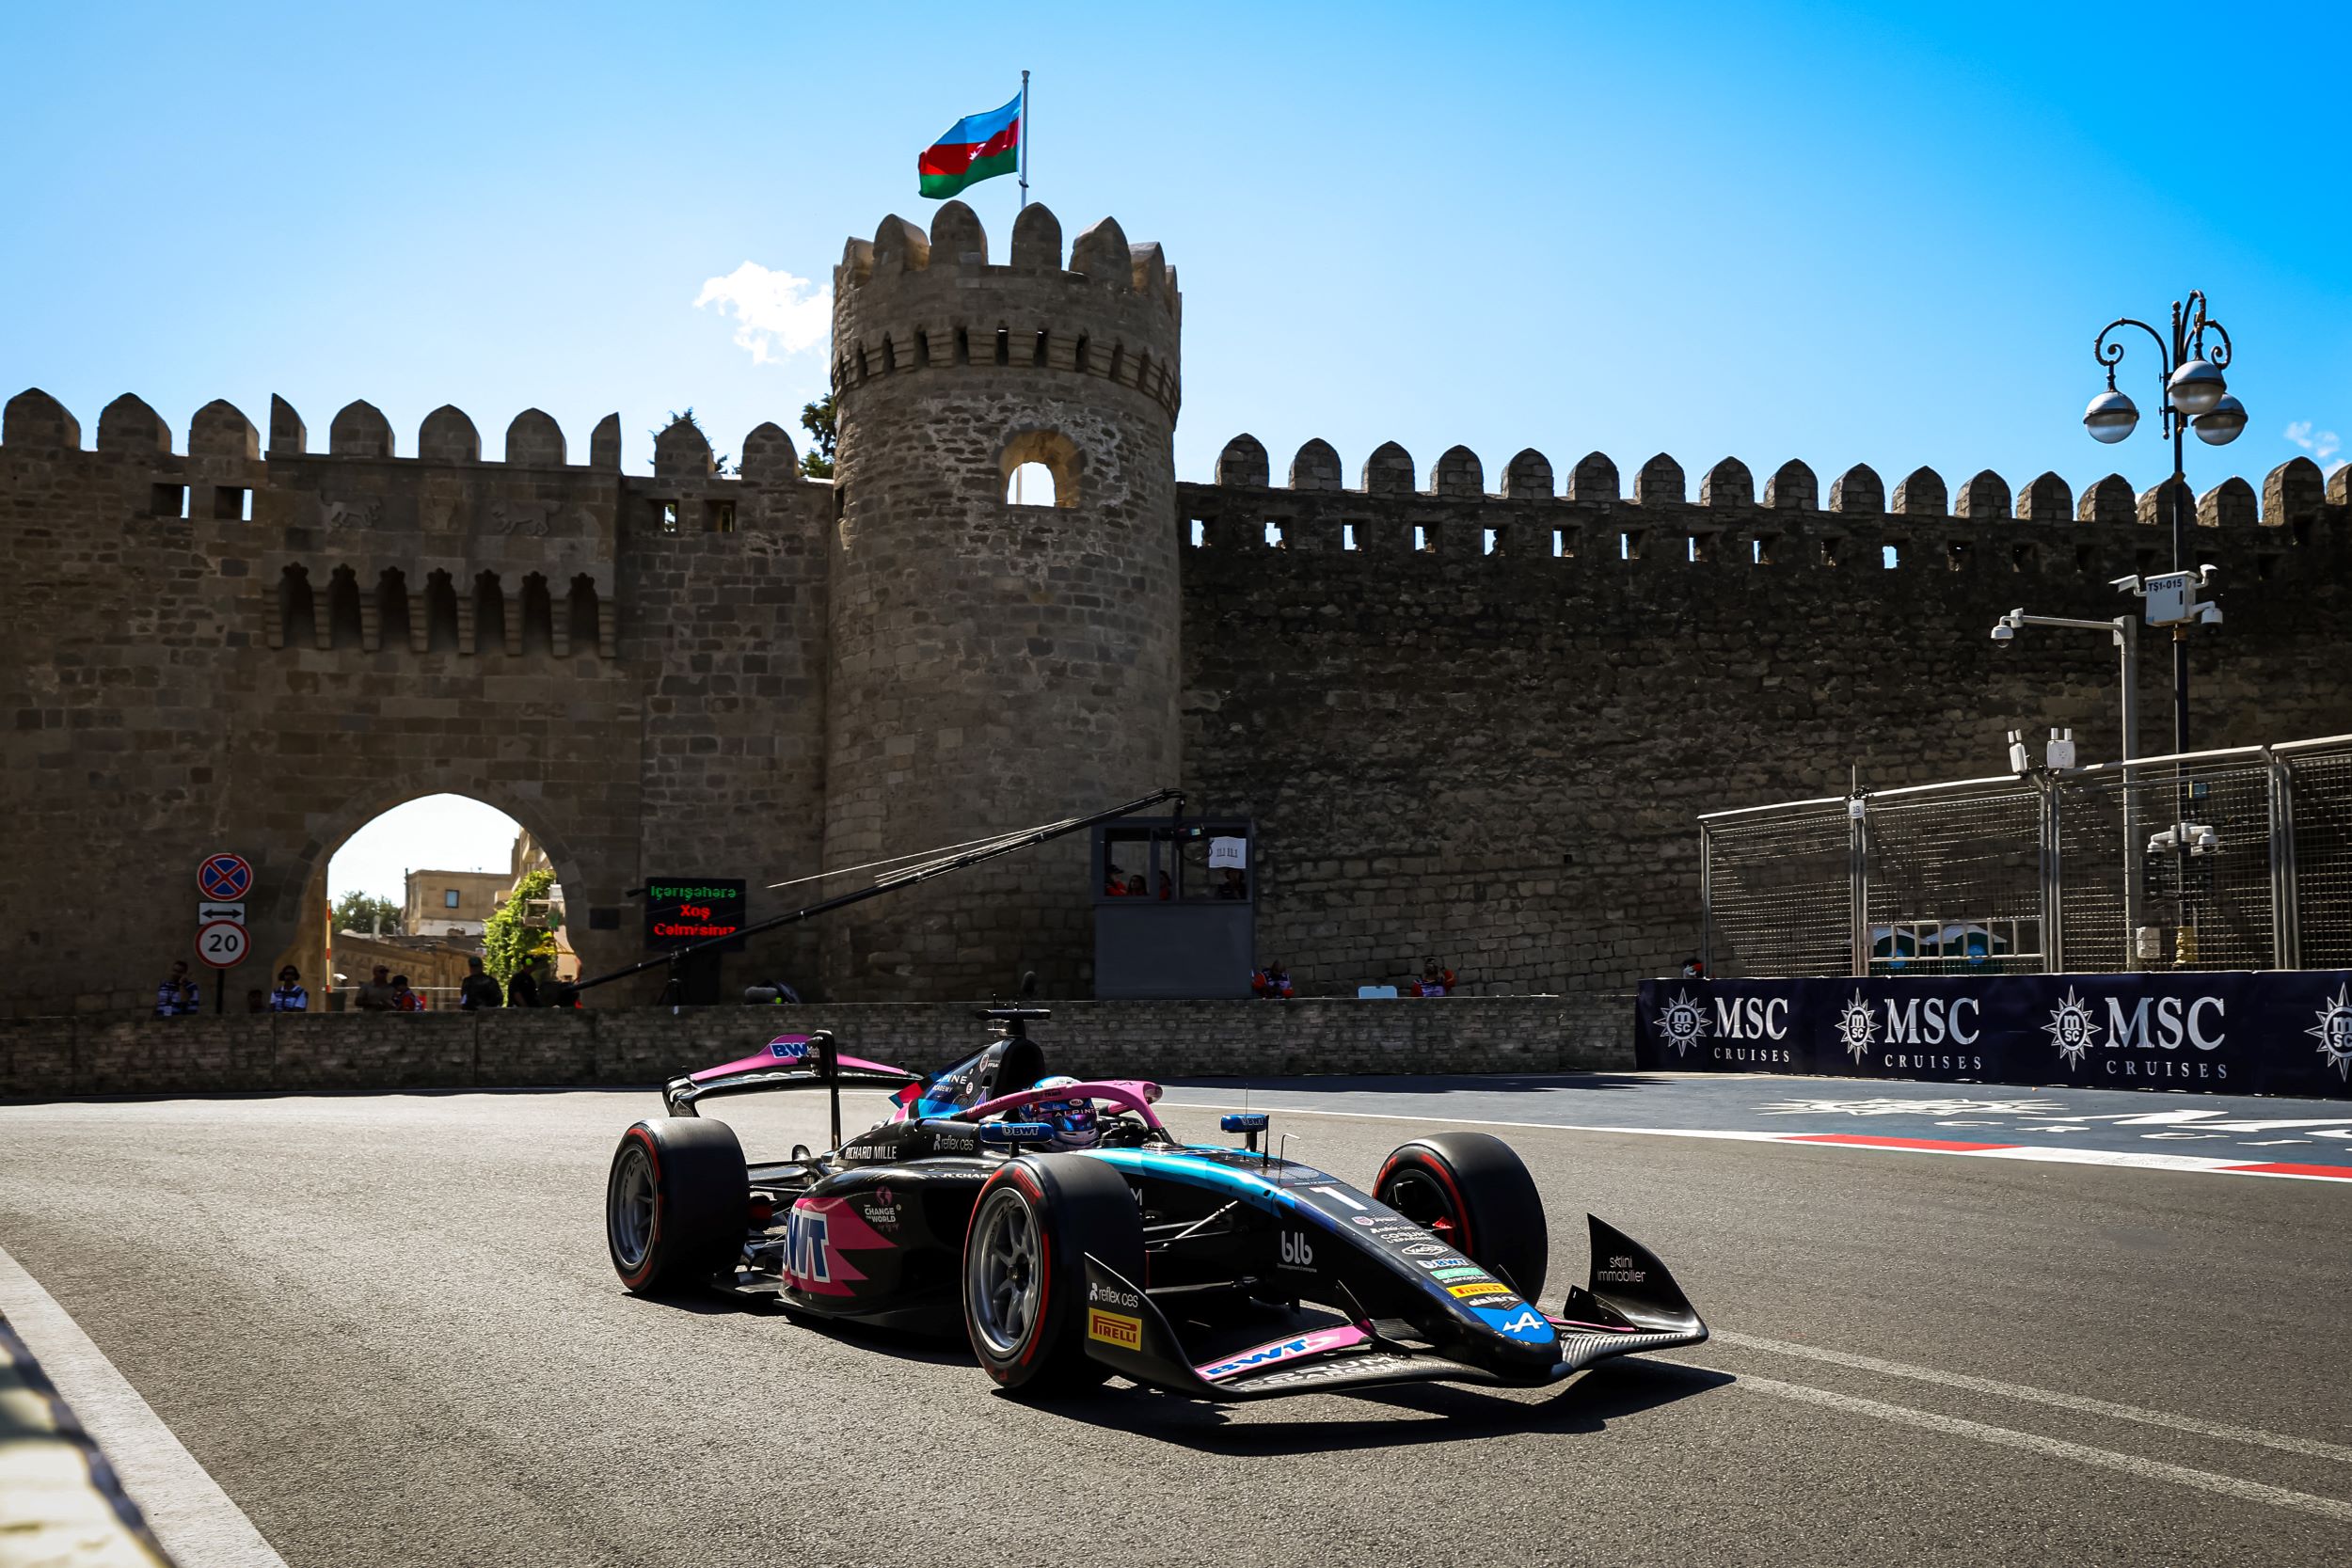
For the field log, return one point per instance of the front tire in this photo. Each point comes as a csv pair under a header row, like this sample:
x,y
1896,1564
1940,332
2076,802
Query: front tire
x,y
1474,1190
1025,1284
678,1204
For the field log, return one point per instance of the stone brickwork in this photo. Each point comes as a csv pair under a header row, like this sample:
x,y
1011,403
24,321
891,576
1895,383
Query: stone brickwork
x,y
996,664
1481,726
52,1057
1472,718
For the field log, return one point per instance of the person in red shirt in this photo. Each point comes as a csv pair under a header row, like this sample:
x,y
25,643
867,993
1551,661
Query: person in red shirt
x,y
405,1000
1272,983
1435,980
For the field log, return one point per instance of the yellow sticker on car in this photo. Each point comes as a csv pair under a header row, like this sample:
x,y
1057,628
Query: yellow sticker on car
x,y
1115,1328
1485,1288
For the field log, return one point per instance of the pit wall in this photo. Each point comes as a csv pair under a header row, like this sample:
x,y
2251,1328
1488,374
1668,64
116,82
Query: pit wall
x,y
258,651
247,1052
1492,749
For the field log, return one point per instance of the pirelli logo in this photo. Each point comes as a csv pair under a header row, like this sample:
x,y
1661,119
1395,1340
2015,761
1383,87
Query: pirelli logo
x,y
1115,1328
1488,1288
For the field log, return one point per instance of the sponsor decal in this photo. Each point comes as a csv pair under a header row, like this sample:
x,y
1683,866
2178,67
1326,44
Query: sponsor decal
x,y
1286,1350
1856,1027
1424,1249
1111,1295
1398,1236
1298,1252
1683,1022
1459,1271
1115,1328
1485,1288
2334,1032
790,1047
870,1151
1525,1323
882,1208
1442,1262
2071,1028
1367,1220
1621,1272
1338,1196
804,1253
1355,1366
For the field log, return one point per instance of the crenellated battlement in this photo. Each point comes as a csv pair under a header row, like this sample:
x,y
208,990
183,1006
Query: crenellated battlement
x,y
907,301
1594,518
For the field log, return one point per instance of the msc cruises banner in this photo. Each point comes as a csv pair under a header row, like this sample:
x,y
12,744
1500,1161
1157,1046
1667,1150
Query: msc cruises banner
x,y
2286,1032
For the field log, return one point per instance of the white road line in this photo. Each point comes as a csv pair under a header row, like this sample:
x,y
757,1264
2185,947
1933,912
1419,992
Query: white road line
x,y
2054,1448
185,1508
2204,1164
2307,1446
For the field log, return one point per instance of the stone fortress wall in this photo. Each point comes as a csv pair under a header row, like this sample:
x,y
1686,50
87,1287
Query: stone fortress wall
x,y
1489,747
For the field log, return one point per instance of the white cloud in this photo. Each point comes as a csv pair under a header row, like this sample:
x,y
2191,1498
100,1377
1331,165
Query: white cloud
x,y
2322,444
775,313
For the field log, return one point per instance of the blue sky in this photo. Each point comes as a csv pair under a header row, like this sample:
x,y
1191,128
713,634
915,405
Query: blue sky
x,y
1819,232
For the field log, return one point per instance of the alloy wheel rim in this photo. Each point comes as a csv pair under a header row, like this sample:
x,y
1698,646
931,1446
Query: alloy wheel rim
x,y
1003,1281
629,1218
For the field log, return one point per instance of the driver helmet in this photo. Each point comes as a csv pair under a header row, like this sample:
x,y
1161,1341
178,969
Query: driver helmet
x,y
1072,1119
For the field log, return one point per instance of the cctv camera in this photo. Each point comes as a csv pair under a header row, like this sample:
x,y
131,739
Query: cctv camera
x,y
2004,632
2204,574
2130,584
2208,614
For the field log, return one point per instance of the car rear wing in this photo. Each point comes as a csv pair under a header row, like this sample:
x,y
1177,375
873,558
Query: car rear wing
x,y
787,1062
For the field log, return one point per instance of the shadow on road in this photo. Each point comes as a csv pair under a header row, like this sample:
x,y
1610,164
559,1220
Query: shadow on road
x,y
1586,1405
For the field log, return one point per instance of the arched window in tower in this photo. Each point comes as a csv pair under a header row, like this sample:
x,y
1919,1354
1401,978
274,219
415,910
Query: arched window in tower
x,y
582,615
345,629
440,613
490,613
538,630
391,608
1040,468
297,614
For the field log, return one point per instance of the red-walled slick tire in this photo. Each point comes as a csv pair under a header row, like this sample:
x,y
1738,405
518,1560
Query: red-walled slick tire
x,y
1025,1286
1474,1192
676,1204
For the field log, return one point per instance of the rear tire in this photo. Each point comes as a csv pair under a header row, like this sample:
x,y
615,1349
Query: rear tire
x,y
1474,1190
1025,1286
678,1204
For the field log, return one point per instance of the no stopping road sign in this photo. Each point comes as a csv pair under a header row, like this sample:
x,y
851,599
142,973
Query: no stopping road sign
x,y
224,877
222,944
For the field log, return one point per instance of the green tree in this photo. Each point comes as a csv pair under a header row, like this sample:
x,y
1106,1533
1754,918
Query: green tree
x,y
817,419
508,943
360,911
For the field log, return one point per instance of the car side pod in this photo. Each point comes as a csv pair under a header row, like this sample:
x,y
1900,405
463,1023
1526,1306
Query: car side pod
x,y
1631,1303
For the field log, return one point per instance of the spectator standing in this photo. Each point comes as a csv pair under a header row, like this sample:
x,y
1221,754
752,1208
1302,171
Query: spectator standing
x,y
477,989
289,995
1272,983
1113,882
405,1000
178,995
1435,980
376,995
1693,970
523,990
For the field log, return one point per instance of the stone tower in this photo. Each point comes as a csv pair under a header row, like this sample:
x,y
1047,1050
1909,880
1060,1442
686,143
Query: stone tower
x,y
994,665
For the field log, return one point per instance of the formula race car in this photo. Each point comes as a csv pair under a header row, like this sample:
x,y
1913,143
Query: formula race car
x,y
1071,1236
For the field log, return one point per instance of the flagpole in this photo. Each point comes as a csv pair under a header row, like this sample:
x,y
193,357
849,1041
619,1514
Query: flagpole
x,y
1024,140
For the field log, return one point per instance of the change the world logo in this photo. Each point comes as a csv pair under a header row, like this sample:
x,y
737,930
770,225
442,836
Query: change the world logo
x,y
1683,1022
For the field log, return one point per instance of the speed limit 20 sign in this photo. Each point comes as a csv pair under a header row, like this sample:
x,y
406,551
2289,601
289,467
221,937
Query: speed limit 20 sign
x,y
222,944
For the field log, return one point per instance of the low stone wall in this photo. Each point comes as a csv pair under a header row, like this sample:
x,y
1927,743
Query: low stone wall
x,y
55,1057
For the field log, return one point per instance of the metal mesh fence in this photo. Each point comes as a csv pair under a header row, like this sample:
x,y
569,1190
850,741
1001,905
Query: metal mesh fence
x,y
1954,884
2236,860
1777,885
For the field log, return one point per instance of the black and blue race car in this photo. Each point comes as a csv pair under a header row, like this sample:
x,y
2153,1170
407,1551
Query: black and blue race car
x,y
1071,1236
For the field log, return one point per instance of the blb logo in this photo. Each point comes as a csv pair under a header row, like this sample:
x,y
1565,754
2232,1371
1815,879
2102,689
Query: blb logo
x,y
1297,1252
805,1247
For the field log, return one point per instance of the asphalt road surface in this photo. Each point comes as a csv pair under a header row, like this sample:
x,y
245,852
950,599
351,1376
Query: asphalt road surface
x,y
386,1327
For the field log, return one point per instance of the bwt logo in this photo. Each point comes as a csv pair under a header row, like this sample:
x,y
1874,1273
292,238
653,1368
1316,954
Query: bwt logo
x,y
804,1245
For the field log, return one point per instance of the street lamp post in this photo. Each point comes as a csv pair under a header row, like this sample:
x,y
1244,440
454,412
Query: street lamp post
x,y
2194,395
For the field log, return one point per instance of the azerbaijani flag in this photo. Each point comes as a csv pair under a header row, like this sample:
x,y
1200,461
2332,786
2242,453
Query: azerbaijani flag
x,y
976,148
